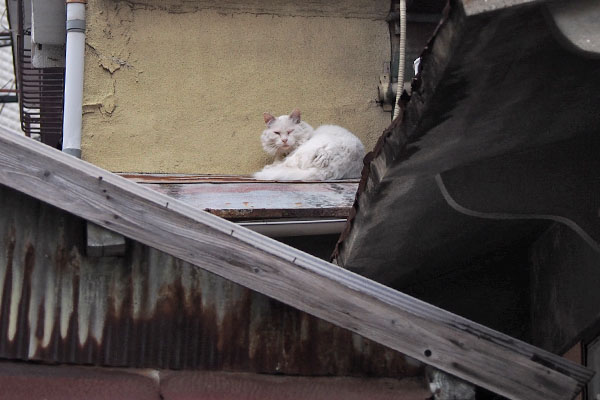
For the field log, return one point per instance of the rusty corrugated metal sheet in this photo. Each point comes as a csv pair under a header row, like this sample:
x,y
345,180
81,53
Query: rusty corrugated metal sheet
x,y
151,310
242,198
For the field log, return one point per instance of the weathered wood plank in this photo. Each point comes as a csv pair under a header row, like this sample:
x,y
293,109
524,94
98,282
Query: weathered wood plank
x,y
245,198
472,352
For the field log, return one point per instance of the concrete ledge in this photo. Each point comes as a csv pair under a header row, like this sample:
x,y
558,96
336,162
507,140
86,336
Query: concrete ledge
x,y
22,381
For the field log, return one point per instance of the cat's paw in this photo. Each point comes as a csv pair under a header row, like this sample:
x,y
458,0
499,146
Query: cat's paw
x,y
268,173
320,159
261,175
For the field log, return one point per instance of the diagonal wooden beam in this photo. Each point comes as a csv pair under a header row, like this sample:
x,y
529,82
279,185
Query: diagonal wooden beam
x,y
453,344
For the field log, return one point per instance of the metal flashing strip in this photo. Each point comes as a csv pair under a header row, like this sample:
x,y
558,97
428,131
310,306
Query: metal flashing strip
x,y
296,228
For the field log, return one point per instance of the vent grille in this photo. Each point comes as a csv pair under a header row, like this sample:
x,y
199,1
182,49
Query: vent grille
x,y
41,91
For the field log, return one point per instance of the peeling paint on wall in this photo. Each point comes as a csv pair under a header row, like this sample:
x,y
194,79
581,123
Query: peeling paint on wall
x,y
180,86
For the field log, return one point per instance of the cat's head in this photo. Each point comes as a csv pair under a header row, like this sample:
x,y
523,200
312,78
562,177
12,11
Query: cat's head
x,y
285,133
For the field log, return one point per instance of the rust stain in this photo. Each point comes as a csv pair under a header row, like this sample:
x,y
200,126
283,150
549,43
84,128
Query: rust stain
x,y
9,250
262,213
22,332
172,178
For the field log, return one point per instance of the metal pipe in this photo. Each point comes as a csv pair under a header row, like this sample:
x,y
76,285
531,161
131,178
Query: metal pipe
x,y
72,115
296,228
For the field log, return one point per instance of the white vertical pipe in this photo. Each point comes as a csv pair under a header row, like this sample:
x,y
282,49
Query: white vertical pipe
x,y
72,115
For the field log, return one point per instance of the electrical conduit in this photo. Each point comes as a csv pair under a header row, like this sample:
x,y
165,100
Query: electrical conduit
x,y
401,58
72,113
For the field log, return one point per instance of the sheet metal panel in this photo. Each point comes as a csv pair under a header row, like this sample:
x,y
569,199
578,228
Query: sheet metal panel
x,y
148,309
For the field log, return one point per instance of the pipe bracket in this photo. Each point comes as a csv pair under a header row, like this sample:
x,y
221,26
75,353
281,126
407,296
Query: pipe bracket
x,y
73,152
76,25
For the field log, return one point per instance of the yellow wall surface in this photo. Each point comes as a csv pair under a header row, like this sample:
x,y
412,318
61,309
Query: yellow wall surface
x,y
180,86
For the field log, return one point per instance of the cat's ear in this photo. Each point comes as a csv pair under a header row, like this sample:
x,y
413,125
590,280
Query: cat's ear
x,y
295,116
268,118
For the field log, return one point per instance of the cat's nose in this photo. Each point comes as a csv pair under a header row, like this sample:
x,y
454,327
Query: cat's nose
x,y
284,140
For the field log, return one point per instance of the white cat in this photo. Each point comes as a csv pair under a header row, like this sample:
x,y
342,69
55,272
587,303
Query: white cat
x,y
302,153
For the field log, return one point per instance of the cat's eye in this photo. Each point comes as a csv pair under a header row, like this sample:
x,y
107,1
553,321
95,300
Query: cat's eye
x,y
277,133
290,131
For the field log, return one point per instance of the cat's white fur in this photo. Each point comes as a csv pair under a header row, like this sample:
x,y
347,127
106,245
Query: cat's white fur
x,y
303,153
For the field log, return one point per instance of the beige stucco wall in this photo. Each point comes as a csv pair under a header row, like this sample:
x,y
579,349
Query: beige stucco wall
x,y
178,86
